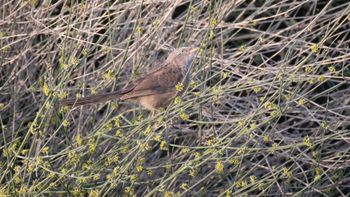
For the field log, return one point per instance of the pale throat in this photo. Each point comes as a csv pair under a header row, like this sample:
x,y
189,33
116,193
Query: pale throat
x,y
188,64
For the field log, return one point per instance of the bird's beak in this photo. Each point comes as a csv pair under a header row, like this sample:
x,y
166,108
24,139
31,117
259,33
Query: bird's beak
x,y
194,50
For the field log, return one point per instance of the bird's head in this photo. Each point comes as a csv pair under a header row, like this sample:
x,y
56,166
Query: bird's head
x,y
182,56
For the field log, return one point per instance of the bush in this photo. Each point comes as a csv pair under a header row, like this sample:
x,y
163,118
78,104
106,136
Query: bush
x,y
267,111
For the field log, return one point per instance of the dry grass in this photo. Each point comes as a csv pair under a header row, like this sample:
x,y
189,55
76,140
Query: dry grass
x,y
267,113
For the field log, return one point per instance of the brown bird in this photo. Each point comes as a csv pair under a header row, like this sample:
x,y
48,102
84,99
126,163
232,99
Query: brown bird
x,y
154,90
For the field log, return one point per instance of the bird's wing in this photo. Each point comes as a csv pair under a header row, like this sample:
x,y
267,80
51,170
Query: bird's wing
x,y
161,80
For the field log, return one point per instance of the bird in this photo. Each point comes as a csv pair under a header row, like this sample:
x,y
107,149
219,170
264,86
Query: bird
x,y
153,90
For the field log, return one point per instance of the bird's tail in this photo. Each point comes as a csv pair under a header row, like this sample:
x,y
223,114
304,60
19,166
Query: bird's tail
x,y
93,99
